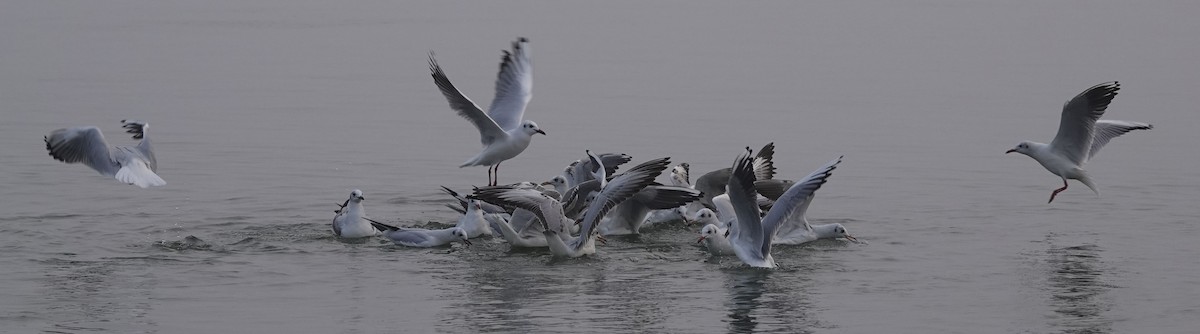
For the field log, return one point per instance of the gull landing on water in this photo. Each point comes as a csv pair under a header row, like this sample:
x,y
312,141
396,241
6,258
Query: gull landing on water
x,y
502,130
1080,136
750,235
132,165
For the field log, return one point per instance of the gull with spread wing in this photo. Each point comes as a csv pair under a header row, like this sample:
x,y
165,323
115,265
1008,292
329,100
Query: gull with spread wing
x,y
133,165
751,235
1080,136
502,130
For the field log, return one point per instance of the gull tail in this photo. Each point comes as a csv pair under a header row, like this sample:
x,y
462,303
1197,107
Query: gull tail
x,y
1087,181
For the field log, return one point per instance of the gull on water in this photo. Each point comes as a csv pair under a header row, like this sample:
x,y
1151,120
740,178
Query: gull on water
x,y
502,130
714,234
1080,136
416,237
473,221
349,222
750,235
133,165
550,212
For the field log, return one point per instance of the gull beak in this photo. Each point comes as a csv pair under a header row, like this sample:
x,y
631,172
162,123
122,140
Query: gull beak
x,y
852,238
1010,151
726,233
362,198
541,132
701,239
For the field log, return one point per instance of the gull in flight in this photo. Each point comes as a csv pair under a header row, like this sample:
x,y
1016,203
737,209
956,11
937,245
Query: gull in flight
x,y
502,130
1080,136
750,235
350,221
550,212
133,165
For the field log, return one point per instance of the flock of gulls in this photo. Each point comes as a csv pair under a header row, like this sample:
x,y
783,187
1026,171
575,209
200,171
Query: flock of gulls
x,y
742,210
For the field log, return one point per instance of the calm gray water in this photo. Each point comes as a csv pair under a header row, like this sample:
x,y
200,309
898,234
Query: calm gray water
x,y
266,113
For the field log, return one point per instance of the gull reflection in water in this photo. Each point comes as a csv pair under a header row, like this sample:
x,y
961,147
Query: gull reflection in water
x,y
1075,283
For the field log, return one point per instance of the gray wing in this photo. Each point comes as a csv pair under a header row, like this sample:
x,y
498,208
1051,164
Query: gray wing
x,y
741,194
411,237
1107,130
773,188
83,144
337,226
1079,116
619,189
548,210
514,86
712,184
661,197
489,131
792,205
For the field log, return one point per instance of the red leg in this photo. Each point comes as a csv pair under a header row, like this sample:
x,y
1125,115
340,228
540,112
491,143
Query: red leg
x,y
1056,191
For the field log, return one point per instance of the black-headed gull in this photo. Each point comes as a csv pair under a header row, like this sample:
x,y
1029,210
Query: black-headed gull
x,y
502,130
423,238
1080,136
750,235
349,222
132,165
550,211
473,221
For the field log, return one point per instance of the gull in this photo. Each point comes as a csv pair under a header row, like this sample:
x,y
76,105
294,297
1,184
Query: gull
x,y
132,165
714,234
713,183
349,222
502,130
473,221
1080,136
751,235
424,238
550,211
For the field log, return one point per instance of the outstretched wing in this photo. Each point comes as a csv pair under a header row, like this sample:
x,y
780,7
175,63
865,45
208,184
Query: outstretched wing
x,y
791,206
82,144
1107,130
1079,117
489,131
514,86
